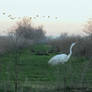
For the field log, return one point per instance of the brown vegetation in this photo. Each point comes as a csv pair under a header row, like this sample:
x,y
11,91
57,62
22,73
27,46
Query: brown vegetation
x,y
25,35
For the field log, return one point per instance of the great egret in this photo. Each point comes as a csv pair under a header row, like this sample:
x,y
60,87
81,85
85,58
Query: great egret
x,y
61,58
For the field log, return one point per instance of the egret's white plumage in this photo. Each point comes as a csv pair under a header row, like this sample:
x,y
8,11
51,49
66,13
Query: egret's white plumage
x,y
61,58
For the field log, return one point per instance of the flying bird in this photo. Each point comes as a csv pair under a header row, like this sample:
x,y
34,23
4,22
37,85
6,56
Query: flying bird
x,y
3,13
9,15
56,17
61,58
30,18
48,16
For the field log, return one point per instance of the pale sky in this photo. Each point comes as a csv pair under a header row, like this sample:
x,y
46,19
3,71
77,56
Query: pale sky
x,y
72,14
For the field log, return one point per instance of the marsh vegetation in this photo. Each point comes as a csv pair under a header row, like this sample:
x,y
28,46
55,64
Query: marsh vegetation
x,y
24,55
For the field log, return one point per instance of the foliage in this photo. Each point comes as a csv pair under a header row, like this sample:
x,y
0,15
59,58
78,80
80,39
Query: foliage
x,y
25,30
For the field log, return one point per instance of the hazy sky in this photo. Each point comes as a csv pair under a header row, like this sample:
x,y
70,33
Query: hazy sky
x,y
71,13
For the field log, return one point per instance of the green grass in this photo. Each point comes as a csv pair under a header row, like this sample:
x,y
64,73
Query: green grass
x,y
39,75
40,47
35,68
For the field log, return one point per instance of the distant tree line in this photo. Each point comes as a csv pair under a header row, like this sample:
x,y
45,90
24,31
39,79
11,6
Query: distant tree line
x,y
26,35
84,43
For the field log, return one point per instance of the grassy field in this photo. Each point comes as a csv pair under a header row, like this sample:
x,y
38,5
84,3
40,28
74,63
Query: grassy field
x,y
34,69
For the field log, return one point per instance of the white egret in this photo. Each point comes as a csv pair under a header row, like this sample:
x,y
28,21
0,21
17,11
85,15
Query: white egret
x,y
61,58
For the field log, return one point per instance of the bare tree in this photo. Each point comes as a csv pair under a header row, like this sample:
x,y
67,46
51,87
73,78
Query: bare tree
x,y
26,31
87,41
88,27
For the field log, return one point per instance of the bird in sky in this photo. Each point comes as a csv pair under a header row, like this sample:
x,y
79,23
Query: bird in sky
x,y
3,13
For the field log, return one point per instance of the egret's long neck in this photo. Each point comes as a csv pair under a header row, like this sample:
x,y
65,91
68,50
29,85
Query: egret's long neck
x,y
69,55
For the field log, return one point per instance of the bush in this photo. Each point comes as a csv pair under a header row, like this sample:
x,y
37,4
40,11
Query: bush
x,y
82,48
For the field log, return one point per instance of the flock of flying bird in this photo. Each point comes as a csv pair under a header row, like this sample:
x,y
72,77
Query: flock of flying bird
x,y
34,17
